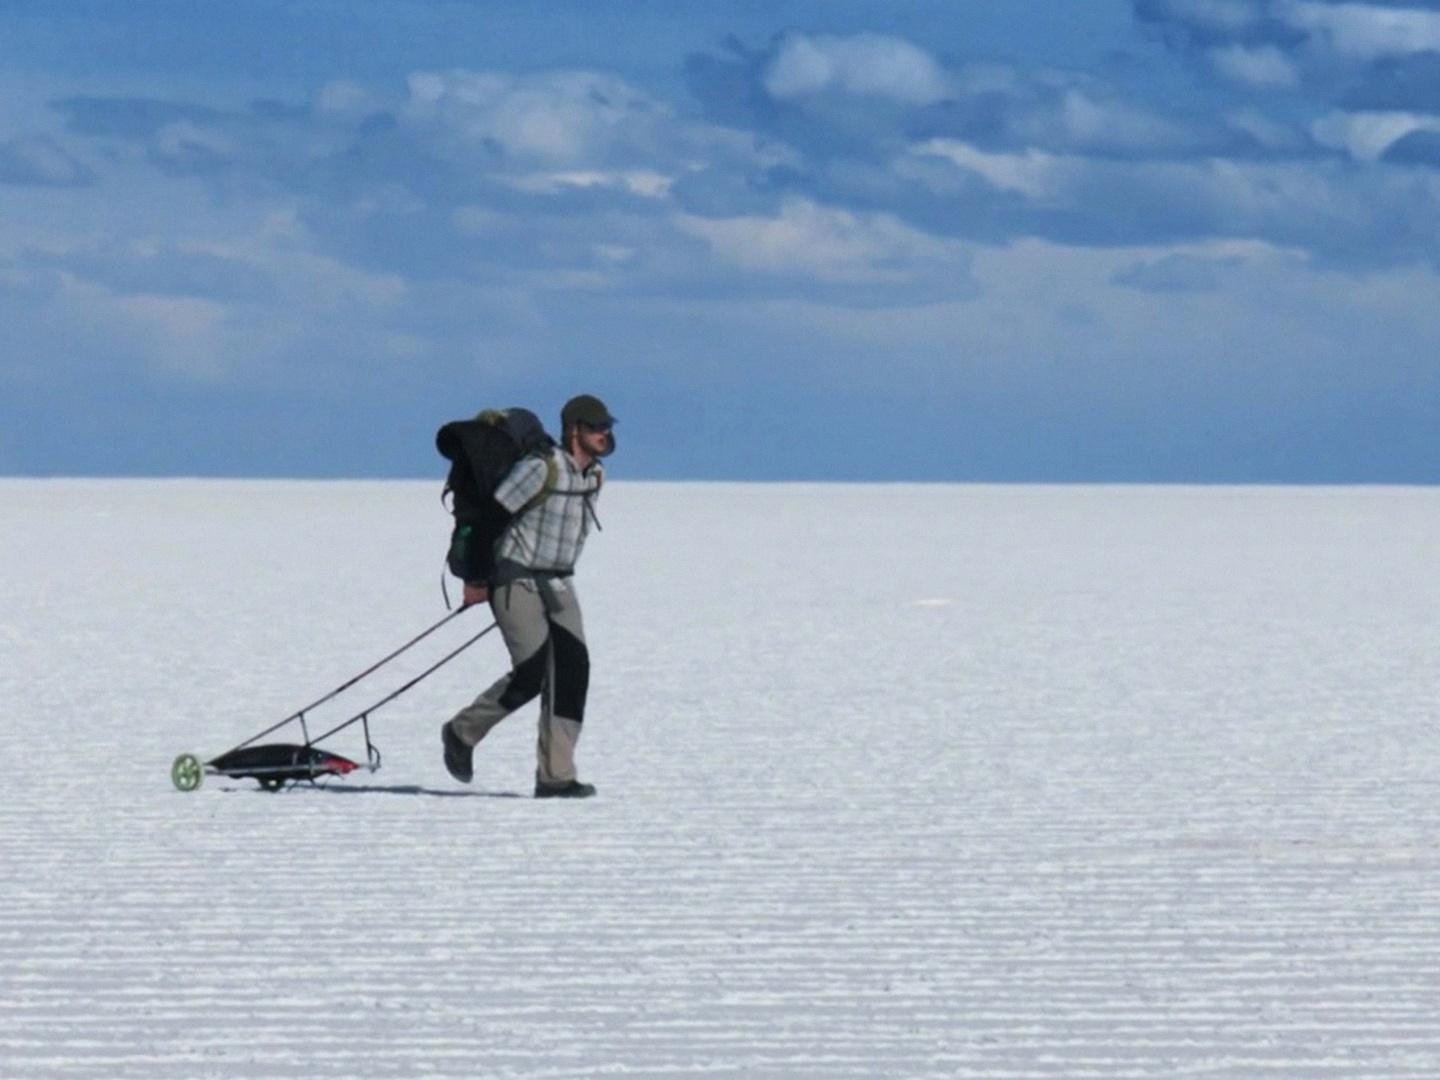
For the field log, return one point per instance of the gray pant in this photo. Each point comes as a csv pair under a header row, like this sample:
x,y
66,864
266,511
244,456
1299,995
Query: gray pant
x,y
540,618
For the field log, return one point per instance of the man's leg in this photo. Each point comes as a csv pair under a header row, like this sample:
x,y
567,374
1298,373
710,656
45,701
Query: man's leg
x,y
567,682
520,611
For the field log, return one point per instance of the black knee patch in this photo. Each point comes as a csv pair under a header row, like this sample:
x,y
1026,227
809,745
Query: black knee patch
x,y
525,681
572,674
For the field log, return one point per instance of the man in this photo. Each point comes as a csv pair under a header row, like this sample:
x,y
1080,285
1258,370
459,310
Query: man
x,y
534,601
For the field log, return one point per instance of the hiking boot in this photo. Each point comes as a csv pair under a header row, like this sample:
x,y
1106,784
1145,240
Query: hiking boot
x,y
571,789
459,758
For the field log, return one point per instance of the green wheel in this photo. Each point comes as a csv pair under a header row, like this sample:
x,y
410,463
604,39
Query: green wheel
x,y
187,772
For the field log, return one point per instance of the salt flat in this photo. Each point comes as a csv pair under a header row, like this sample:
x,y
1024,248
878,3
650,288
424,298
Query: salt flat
x,y
894,782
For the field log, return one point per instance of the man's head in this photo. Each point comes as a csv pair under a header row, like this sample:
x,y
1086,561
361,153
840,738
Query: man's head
x,y
586,419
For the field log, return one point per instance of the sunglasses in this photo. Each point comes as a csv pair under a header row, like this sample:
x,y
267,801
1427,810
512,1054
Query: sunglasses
x,y
599,429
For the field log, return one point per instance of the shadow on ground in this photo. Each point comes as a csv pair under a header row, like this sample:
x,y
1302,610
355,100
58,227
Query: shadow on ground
x,y
384,789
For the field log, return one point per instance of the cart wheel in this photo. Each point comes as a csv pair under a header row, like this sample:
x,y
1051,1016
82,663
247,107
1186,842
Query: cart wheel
x,y
186,773
271,783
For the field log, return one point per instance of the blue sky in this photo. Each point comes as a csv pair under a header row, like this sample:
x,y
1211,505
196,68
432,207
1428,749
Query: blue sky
x,y
1130,240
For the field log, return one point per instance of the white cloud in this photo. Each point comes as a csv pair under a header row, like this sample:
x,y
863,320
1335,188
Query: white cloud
x,y
867,65
1264,66
1367,31
641,182
823,243
1224,16
1367,135
1110,125
185,143
558,118
1031,172
1267,131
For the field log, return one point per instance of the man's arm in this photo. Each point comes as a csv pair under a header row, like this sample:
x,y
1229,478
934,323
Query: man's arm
x,y
521,484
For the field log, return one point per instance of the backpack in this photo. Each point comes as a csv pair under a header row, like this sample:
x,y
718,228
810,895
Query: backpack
x,y
481,453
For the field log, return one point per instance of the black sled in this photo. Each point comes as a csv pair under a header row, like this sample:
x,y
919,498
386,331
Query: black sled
x,y
276,765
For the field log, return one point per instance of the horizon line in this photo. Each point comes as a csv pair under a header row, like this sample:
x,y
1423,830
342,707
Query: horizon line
x,y
754,481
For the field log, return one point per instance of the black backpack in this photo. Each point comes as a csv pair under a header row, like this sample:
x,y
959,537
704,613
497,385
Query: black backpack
x,y
481,453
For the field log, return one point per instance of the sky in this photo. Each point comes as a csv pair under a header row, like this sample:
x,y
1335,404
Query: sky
x,y
1186,241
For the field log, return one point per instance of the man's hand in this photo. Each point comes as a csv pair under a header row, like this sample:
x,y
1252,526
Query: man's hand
x,y
475,594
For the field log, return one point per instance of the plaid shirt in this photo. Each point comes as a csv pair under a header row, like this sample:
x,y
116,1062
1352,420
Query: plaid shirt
x,y
550,534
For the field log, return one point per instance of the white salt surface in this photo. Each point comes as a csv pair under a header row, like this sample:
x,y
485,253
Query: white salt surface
x,y
894,782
